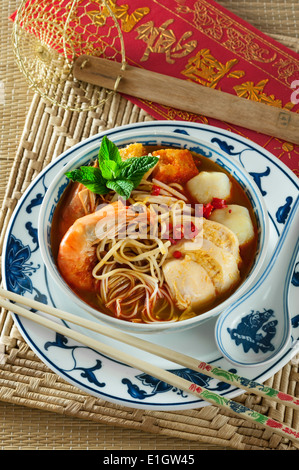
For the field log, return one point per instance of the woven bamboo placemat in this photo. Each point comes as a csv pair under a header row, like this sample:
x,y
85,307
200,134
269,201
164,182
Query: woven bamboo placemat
x,y
54,414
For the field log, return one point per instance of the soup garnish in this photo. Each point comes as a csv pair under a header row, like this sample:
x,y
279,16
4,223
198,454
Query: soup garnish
x,y
151,234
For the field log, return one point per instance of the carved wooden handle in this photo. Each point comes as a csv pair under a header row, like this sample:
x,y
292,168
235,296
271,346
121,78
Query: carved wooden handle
x,y
189,96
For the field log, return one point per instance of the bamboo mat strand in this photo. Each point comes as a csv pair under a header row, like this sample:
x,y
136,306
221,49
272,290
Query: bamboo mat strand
x,y
273,17
28,382
38,409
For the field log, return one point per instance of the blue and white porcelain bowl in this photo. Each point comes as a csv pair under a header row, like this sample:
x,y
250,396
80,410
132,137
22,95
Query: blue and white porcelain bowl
x,y
83,153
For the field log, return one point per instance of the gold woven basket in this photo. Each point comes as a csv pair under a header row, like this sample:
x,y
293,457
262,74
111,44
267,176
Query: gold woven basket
x,y
47,39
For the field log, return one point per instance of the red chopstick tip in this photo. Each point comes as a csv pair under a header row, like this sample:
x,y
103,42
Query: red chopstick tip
x,y
287,397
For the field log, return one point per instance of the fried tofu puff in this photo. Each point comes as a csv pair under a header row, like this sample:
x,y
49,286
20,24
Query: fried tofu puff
x,y
135,150
132,150
174,166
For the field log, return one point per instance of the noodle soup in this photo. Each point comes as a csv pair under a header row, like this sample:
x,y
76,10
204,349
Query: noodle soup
x,y
183,240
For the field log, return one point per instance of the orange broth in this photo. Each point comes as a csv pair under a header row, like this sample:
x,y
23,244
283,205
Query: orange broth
x,y
237,196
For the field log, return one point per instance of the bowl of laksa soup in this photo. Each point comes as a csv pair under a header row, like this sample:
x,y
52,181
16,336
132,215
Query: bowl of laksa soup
x,y
151,232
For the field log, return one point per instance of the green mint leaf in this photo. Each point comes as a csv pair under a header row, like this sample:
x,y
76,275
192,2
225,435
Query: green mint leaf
x,y
109,169
136,167
108,151
90,177
113,173
122,187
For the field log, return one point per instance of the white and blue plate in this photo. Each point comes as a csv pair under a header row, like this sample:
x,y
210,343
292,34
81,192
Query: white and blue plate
x,y
24,273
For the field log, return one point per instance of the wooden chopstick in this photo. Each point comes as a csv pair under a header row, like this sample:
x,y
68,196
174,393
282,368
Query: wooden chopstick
x,y
161,351
161,374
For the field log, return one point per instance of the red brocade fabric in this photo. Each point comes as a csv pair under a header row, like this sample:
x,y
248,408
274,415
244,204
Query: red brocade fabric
x,y
199,41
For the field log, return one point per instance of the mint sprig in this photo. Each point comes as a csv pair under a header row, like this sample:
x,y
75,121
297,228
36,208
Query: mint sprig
x,y
90,177
113,173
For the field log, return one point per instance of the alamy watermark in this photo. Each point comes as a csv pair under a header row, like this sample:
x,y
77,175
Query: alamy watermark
x,y
295,94
139,222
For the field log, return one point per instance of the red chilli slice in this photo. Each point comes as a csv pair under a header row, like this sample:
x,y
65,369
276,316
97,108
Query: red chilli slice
x,y
155,190
218,203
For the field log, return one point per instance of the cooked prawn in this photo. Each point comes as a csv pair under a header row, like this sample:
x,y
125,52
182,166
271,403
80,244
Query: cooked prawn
x,y
79,201
77,250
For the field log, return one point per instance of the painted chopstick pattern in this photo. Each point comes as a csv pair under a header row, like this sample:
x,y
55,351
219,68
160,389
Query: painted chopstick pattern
x,y
181,383
246,413
161,351
248,385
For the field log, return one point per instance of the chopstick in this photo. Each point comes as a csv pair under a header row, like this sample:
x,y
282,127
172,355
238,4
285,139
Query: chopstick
x,y
161,374
161,351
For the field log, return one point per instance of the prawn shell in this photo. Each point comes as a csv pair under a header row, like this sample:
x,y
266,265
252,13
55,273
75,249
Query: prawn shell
x,y
77,250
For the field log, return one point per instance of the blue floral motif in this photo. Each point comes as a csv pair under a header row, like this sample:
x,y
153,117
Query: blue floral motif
x,y
39,297
181,131
229,149
36,201
224,146
201,151
33,234
88,373
196,149
60,342
158,386
295,321
248,332
135,391
257,179
61,191
18,269
283,211
295,277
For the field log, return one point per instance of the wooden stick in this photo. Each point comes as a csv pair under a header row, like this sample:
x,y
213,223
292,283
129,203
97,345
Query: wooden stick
x,y
218,373
189,96
165,376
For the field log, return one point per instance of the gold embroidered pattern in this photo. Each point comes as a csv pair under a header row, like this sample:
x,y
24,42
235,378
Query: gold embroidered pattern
x,y
286,69
246,46
127,20
215,24
204,21
163,41
286,149
205,69
256,93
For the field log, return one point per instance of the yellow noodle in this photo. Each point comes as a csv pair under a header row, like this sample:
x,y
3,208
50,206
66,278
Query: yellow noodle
x,y
131,281
169,189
